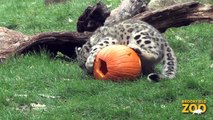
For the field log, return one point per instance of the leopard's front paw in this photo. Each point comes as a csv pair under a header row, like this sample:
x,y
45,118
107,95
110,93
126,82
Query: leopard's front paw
x,y
89,68
89,65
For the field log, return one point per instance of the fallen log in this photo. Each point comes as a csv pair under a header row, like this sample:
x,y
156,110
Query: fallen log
x,y
93,17
177,15
65,42
15,43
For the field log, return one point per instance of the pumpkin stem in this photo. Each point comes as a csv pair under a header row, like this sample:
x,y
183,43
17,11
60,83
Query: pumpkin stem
x,y
129,54
103,67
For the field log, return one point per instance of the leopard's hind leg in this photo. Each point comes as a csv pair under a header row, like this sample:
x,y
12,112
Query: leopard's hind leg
x,y
149,52
149,60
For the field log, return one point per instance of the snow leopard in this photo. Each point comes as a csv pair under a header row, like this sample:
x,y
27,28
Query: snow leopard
x,y
144,39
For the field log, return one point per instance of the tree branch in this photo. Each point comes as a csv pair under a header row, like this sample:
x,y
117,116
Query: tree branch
x,y
177,15
15,43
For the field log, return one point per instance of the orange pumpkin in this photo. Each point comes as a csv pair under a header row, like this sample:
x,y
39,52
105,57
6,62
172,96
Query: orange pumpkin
x,y
117,62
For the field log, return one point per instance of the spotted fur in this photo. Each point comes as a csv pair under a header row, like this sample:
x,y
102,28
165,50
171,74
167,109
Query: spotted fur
x,y
148,42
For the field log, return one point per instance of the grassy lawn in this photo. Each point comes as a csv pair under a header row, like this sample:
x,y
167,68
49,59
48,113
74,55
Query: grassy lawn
x,y
62,91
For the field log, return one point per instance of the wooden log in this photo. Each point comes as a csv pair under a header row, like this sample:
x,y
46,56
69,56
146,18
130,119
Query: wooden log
x,y
93,17
65,42
15,43
177,15
9,42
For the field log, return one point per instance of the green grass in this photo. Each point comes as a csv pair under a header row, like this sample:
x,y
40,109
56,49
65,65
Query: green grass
x,y
81,97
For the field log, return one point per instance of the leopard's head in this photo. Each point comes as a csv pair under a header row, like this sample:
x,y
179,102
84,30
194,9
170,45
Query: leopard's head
x,y
82,54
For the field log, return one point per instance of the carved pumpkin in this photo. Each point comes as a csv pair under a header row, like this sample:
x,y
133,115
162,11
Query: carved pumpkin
x,y
117,62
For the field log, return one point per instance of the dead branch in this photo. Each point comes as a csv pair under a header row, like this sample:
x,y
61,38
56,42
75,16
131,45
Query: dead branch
x,y
65,42
16,43
177,15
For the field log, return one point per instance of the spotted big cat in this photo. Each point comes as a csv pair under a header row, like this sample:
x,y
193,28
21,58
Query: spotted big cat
x,y
144,39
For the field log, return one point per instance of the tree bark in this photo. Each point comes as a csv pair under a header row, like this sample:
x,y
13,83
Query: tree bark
x,y
65,42
15,43
177,15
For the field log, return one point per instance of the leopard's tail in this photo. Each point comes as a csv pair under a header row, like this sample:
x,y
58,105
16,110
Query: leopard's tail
x,y
169,63
169,66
